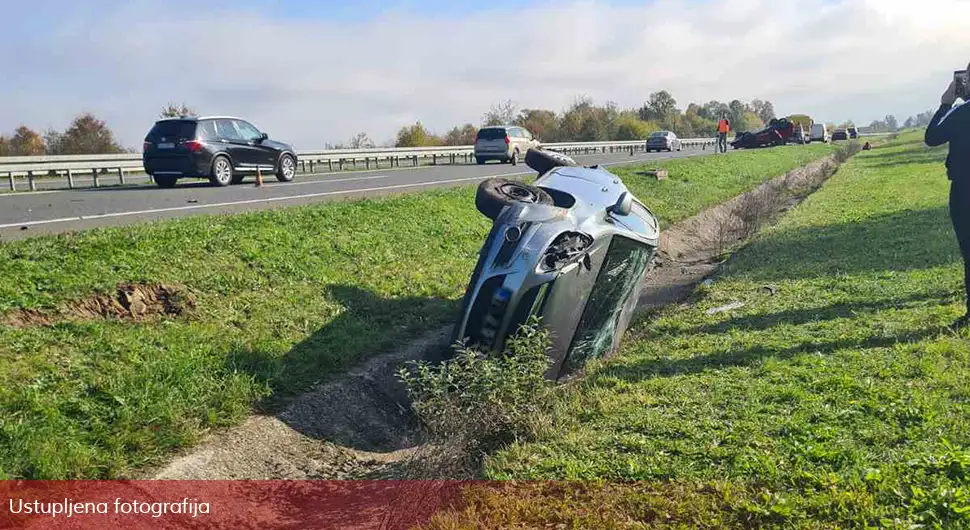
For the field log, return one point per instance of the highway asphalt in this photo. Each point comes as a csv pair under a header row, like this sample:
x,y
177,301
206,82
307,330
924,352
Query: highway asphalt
x,y
27,214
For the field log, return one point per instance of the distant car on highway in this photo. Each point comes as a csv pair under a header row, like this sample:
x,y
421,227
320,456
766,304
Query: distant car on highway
x,y
503,143
840,134
663,141
221,149
819,133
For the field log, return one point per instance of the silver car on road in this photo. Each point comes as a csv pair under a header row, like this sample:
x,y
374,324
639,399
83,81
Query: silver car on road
x,y
572,249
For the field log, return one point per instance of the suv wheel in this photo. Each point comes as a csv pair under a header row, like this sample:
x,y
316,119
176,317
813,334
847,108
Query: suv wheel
x,y
515,158
496,193
165,181
479,160
221,174
287,169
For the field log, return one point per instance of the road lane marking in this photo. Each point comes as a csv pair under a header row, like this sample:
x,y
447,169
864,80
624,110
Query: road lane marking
x,y
239,203
276,199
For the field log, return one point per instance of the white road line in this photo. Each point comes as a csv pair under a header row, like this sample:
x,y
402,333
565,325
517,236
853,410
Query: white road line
x,y
237,203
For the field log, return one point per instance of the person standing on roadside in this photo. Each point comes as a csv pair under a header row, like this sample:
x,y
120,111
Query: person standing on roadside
x,y
951,124
723,126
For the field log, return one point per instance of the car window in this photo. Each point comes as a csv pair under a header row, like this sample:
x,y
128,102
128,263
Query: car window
x,y
491,133
227,130
526,134
622,267
172,130
248,131
208,130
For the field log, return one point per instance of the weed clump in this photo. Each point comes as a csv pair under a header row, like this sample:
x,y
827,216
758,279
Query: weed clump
x,y
474,404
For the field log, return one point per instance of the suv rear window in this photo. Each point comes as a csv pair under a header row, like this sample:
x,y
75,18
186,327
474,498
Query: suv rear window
x,y
491,134
174,130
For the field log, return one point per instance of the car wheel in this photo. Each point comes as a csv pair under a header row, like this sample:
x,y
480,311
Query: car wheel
x,y
237,178
287,168
496,193
515,158
542,161
221,173
165,181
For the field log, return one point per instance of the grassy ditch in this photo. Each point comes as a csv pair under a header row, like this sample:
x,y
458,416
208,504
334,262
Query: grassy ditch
x,y
279,300
836,398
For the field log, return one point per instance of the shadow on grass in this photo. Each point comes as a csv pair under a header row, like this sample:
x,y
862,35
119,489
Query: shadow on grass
x,y
728,359
901,241
814,314
917,155
362,409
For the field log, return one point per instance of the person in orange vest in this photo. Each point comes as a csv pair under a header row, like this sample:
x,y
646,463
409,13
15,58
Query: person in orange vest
x,y
723,126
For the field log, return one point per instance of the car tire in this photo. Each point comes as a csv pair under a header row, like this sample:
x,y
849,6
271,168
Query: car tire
x,y
515,158
496,193
542,161
479,160
221,172
165,181
286,169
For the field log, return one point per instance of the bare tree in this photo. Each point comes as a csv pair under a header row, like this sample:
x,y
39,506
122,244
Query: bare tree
x,y
361,141
500,114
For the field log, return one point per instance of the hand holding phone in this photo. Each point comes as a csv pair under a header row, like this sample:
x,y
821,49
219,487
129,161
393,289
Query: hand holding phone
x,y
961,79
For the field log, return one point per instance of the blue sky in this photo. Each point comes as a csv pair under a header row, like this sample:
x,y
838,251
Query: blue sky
x,y
317,72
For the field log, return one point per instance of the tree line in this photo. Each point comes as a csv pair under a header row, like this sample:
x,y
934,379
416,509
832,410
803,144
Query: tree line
x,y
586,121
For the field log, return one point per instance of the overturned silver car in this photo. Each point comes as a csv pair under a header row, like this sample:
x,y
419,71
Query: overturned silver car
x,y
573,249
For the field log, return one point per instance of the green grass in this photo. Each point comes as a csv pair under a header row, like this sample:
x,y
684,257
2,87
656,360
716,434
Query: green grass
x,y
842,401
284,299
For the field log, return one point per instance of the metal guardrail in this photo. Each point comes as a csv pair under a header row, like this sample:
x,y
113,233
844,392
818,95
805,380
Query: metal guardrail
x,y
117,167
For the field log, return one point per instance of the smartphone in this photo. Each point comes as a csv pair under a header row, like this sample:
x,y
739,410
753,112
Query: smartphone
x,y
961,78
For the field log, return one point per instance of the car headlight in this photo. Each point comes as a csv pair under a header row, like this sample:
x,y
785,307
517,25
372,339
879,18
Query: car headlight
x,y
565,249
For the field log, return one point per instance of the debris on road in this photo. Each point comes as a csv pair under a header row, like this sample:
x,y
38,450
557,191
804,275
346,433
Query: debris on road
x,y
770,289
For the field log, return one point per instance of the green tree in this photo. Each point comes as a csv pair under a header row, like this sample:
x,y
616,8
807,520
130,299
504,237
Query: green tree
x,y
629,126
544,124
87,135
416,136
752,122
26,142
659,107
4,146
173,110
736,113
464,135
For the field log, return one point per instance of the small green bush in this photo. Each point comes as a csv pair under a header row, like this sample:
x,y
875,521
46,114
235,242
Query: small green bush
x,y
482,402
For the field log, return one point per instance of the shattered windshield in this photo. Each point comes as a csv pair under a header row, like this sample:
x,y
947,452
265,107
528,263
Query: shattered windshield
x,y
621,271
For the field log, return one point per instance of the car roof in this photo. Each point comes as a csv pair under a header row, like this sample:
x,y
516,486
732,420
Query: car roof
x,y
200,118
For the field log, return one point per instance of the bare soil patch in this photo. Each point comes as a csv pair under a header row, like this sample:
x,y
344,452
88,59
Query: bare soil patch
x,y
129,301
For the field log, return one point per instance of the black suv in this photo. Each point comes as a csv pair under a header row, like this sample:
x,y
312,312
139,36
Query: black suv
x,y
221,149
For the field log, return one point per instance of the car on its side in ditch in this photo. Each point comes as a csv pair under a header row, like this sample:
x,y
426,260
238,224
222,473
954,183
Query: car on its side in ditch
x,y
778,132
221,149
663,141
572,249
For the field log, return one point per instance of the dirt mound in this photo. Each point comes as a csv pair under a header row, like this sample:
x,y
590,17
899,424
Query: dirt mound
x,y
130,301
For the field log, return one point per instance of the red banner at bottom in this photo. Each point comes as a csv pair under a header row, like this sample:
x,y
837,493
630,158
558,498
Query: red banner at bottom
x,y
211,505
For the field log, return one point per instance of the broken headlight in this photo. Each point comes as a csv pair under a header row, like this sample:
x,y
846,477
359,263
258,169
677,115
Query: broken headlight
x,y
565,249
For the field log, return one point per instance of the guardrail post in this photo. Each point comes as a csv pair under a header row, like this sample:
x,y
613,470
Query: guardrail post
x,y
94,175
341,164
434,159
415,158
367,162
330,165
13,181
121,175
30,181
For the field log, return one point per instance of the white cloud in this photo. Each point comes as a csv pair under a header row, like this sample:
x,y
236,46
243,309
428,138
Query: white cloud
x,y
312,82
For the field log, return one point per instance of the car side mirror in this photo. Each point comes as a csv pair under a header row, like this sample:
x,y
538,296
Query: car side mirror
x,y
263,136
623,206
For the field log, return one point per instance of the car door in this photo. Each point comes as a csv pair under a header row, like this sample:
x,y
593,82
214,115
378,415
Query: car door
x,y
243,154
264,155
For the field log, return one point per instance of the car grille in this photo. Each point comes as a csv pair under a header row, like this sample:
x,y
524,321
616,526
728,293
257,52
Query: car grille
x,y
486,313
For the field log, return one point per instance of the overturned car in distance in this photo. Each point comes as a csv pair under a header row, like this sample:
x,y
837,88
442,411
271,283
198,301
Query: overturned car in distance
x,y
572,249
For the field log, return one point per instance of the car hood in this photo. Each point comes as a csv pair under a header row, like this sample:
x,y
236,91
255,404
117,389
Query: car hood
x,y
280,146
